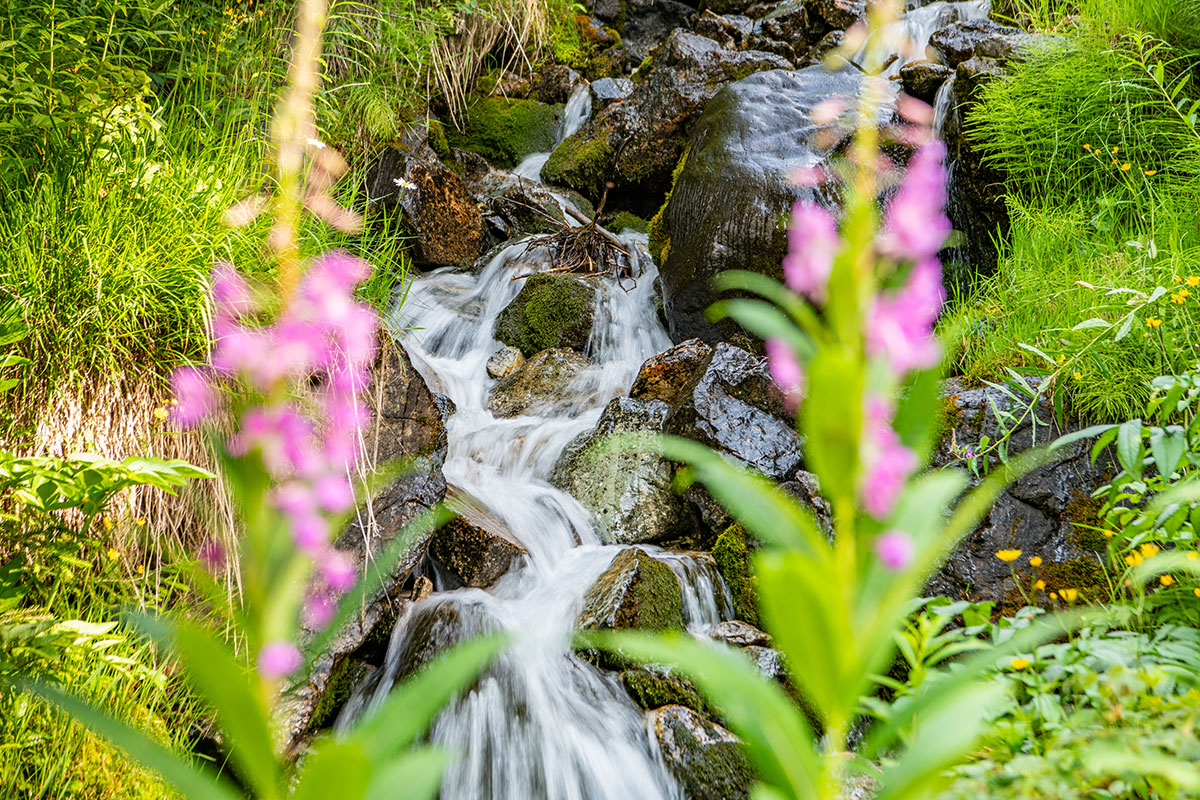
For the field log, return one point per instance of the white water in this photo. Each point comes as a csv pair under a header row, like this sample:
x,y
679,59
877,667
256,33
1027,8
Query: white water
x,y
542,723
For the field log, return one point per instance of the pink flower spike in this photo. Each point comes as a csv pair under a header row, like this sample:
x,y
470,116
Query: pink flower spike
x,y
311,532
787,372
809,177
211,555
319,608
895,549
888,463
914,110
915,227
900,325
194,395
334,494
338,570
812,245
828,110
278,659
231,295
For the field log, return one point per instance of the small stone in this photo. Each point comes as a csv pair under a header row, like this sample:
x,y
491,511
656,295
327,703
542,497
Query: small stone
x,y
540,383
475,547
957,42
921,79
708,761
668,375
557,81
504,362
768,662
610,90
840,13
741,634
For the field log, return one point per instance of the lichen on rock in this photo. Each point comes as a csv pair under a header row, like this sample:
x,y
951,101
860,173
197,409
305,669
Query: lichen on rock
x,y
549,311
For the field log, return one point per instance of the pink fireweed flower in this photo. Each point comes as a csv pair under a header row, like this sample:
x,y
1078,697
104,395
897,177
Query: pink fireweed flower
x,y
915,227
319,608
895,549
338,570
278,659
211,555
900,324
310,532
887,462
787,372
812,245
333,493
195,397
231,296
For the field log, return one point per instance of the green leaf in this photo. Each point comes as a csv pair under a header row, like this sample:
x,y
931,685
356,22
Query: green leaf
x,y
1086,433
832,423
412,705
335,769
1168,447
1129,446
418,771
1094,322
190,781
777,737
1053,364
1125,328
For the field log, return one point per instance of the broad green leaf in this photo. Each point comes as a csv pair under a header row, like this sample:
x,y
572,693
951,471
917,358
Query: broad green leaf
x,y
1053,364
761,506
1125,328
1167,447
917,412
190,781
1086,433
777,737
419,772
412,705
1129,446
832,423
335,769
1094,322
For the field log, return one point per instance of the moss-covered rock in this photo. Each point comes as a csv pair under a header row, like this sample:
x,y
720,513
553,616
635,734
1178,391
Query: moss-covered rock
x,y
626,221
582,162
732,554
1084,575
658,234
653,688
636,591
505,131
437,139
347,673
709,762
549,311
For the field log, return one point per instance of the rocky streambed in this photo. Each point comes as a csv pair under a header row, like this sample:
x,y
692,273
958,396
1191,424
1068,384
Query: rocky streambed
x,y
520,389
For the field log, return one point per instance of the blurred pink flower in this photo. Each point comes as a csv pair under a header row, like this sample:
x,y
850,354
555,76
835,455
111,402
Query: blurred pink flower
x,y
333,493
812,245
787,372
887,462
914,226
277,659
338,570
195,397
900,324
895,549
319,608
231,295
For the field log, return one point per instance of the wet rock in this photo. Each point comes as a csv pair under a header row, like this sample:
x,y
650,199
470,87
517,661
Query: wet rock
x,y
957,42
476,547
549,311
447,226
524,207
805,488
627,488
921,79
729,32
435,626
654,687
735,407
824,46
1046,513
709,762
505,131
635,144
539,383
504,362
739,633
768,662
610,90
648,22
732,553
556,82
636,591
730,204
669,375
594,31
839,13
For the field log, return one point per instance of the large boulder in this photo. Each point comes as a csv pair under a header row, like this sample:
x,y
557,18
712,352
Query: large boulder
x,y
626,488
655,686
1048,513
636,591
709,762
549,311
446,225
730,204
957,42
539,383
635,144
648,22
475,548
670,374
839,13
922,79
505,131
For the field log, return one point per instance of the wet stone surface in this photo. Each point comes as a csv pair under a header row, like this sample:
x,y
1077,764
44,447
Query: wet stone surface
x,y
709,762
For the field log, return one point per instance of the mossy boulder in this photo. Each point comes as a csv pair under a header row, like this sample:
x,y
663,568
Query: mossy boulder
x,y
347,673
655,687
709,762
732,553
505,131
626,221
539,384
549,311
476,548
636,591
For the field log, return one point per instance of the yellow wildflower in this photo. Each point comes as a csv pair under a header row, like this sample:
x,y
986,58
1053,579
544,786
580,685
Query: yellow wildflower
x,y
1087,147
140,569
108,523
1166,580
1193,281
160,412
1150,172
1040,585
141,521
1077,376
1178,279
113,554
1053,596
1149,550
1020,663
1196,591
1126,166
1070,595
1134,559
1008,555
1115,149
1192,556
1061,358
1036,561
1152,322
1178,298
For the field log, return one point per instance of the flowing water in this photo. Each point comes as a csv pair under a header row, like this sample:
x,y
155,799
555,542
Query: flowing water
x,y
541,723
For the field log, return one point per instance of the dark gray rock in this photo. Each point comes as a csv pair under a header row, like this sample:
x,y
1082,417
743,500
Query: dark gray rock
x,y
839,14
476,548
1043,514
610,90
727,31
648,22
627,488
556,82
538,384
957,42
731,203
635,144
791,26
709,762
522,207
738,633
446,224
921,79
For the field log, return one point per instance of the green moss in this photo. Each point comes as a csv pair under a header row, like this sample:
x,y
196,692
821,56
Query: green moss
x,y
659,235
657,601
583,162
506,131
651,688
625,220
438,140
710,769
345,675
1084,514
1083,574
549,311
732,554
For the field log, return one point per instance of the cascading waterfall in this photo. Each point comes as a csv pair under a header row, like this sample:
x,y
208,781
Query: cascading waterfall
x,y
542,723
